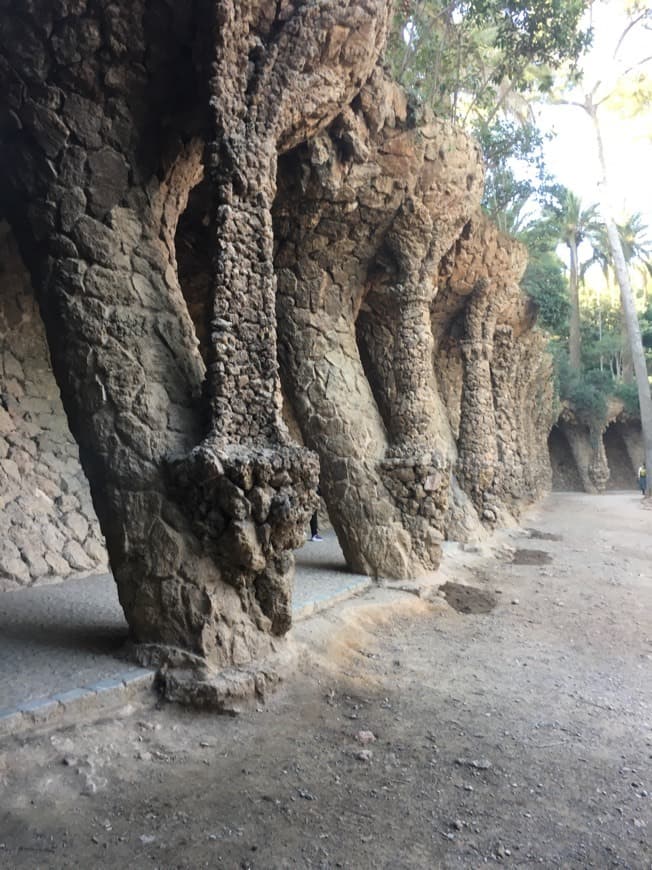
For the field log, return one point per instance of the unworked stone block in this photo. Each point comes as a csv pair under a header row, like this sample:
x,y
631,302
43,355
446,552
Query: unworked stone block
x,y
76,700
6,422
32,554
13,566
108,693
77,525
96,551
74,554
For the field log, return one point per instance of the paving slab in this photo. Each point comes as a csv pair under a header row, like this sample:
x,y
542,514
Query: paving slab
x,y
322,577
60,645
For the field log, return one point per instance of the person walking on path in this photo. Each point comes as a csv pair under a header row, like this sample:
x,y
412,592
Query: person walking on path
x,y
642,479
314,524
314,528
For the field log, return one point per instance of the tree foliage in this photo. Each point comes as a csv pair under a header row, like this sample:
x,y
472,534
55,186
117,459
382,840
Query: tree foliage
x,y
481,64
544,281
603,343
515,173
465,58
628,61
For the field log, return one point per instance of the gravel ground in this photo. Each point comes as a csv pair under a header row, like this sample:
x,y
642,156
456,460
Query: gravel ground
x,y
509,723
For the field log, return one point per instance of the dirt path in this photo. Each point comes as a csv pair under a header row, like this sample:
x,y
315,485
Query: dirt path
x,y
520,735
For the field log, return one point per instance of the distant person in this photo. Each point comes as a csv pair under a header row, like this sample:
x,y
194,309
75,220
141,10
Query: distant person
x,y
314,528
314,524
642,479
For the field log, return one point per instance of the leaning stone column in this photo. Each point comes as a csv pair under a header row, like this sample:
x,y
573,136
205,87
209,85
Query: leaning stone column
x,y
363,217
478,450
579,440
507,376
484,269
338,416
535,402
598,466
396,333
278,76
631,435
522,386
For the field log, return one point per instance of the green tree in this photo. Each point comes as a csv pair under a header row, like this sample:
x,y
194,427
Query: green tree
x,y
515,174
637,245
468,58
624,78
602,338
637,252
481,63
573,224
544,279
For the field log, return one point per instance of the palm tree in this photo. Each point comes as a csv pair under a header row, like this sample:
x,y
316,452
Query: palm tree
x,y
620,75
635,342
637,244
636,247
573,224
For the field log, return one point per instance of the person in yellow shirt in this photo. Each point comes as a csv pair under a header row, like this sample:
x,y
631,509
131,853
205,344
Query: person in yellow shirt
x,y
642,479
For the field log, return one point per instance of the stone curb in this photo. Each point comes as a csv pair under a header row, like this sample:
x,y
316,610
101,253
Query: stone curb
x,y
102,695
325,601
110,692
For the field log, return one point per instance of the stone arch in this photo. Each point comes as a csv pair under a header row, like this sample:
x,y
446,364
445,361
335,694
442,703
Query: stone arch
x,y
566,476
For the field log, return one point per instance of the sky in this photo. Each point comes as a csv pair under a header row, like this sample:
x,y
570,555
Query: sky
x,y
572,155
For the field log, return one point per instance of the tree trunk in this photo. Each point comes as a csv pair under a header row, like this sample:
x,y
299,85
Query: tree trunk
x,y
628,364
598,299
627,302
574,340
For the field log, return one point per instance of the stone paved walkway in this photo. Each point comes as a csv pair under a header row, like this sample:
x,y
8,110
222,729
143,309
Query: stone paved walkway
x,y
60,644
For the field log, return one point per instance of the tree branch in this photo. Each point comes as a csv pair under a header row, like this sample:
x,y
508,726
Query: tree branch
x,y
629,27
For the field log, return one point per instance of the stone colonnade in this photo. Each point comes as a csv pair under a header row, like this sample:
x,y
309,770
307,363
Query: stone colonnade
x,y
344,236
592,460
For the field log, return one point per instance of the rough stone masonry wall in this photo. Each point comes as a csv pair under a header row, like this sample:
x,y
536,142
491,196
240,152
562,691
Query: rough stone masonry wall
x,y
48,527
111,112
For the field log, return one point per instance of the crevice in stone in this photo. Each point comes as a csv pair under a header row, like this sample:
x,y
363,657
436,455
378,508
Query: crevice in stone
x,y
193,253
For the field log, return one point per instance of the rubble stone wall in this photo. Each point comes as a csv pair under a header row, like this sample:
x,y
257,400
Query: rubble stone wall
x,y
622,471
48,527
566,476
630,431
495,377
